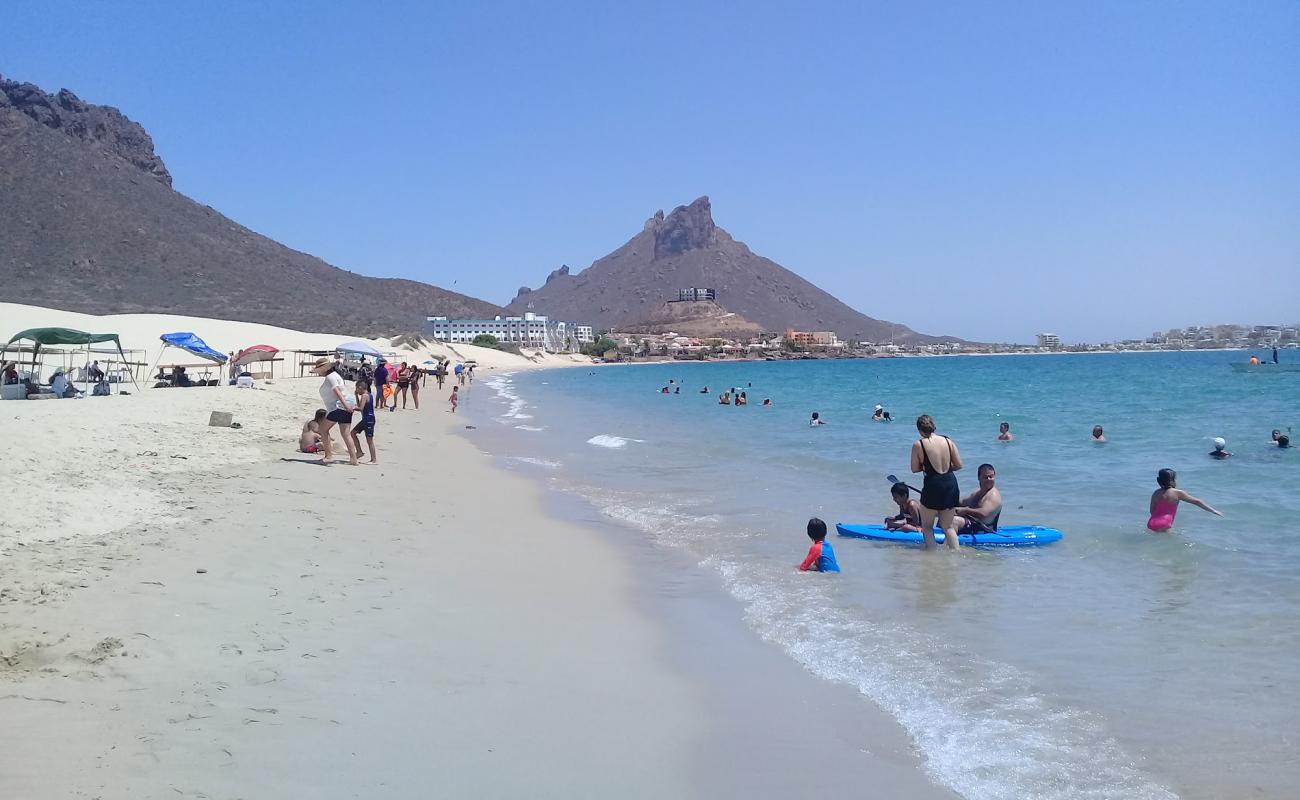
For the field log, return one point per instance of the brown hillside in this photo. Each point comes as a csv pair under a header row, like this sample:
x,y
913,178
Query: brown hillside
x,y
89,222
686,249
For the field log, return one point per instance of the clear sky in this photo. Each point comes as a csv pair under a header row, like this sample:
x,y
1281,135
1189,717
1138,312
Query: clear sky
x,y
990,170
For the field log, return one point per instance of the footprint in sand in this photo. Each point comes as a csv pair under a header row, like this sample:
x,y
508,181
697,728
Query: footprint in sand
x,y
230,649
260,673
269,642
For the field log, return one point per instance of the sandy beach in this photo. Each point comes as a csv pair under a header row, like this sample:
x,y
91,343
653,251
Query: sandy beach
x,y
202,612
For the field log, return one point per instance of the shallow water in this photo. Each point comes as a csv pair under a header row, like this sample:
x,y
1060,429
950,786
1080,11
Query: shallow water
x,y
1116,663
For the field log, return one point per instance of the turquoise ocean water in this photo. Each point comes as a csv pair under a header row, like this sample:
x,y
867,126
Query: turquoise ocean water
x,y
1115,664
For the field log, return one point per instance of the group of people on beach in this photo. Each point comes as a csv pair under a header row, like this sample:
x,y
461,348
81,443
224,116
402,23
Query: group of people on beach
x,y
377,388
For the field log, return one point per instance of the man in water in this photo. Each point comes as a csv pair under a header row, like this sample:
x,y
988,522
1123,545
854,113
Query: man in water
x,y
1274,355
1004,432
979,512
1098,435
1219,450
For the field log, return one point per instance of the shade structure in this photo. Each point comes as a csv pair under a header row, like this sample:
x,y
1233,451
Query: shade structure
x,y
193,344
360,348
44,337
258,352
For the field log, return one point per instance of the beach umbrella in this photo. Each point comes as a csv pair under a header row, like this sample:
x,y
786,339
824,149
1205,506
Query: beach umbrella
x,y
258,352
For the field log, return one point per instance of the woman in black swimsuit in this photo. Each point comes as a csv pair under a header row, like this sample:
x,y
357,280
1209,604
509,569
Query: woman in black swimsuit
x,y
939,493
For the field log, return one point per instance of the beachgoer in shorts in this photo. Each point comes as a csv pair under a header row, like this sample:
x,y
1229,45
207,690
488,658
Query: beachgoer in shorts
x,y
979,511
821,556
366,404
1165,500
908,517
940,494
338,409
309,439
382,376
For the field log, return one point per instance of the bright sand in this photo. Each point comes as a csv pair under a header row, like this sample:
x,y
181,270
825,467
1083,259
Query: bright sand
x,y
240,622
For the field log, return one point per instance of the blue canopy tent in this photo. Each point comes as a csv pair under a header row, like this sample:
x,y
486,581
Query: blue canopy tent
x,y
193,344
190,343
360,348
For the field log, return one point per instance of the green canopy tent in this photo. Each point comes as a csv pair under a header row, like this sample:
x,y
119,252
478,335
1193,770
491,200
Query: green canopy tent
x,y
44,337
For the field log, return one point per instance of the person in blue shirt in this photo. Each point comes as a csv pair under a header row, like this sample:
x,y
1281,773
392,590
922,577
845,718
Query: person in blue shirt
x,y
821,556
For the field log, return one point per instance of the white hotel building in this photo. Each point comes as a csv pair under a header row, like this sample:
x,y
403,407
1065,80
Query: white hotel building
x,y
531,330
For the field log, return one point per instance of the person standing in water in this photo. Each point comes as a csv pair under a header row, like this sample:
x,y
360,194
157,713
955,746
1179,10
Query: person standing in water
x,y
1165,500
1004,432
940,494
1220,449
1098,435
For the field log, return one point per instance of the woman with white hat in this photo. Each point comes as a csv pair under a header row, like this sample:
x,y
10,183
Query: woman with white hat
x,y
339,407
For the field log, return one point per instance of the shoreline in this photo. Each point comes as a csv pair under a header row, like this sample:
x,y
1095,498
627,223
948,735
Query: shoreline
x,y
373,631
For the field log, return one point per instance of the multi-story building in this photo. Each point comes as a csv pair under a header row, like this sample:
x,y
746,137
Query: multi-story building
x,y
696,294
813,338
1049,340
530,330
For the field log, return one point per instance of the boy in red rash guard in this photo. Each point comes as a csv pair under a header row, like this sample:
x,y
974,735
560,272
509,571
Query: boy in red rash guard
x,y
821,556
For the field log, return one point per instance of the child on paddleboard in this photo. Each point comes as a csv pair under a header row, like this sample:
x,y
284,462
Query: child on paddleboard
x,y
821,556
908,517
1165,500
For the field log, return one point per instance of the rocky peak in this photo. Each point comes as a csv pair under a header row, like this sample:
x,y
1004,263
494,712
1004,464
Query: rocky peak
x,y
556,273
686,228
102,127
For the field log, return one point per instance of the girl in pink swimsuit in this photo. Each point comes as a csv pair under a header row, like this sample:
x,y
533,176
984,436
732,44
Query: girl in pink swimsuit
x,y
1164,501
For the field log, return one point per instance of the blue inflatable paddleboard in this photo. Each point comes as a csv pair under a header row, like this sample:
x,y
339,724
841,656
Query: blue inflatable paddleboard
x,y
1006,536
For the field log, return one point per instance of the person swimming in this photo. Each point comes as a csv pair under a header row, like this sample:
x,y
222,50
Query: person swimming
x,y
1004,432
816,420
767,401
1284,441
1165,500
1098,435
724,399
705,390
881,415
1219,451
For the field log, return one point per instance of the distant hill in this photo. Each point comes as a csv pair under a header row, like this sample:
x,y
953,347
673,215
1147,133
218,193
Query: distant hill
x,y
701,319
686,249
89,222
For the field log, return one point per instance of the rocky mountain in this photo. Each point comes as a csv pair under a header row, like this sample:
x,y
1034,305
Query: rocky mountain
x,y
89,222
686,249
701,319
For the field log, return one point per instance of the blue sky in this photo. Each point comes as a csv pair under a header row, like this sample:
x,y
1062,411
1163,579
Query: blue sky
x,y
989,170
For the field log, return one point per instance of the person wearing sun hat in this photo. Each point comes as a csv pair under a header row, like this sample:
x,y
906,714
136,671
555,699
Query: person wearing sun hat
x,y
339,408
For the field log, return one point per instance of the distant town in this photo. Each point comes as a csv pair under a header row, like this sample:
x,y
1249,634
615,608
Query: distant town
x,y
540,332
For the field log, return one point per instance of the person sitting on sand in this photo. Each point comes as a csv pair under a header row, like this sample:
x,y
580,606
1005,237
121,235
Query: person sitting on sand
x,y
821,556
309,439
1004,432
1098,435
979,512
816,420
1219,452
881,415
1165,500
908,517
61,386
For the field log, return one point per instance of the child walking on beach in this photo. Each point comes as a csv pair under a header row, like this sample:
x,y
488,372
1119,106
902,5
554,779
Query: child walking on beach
x,y
455,398
821,556
365,402
1165,500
